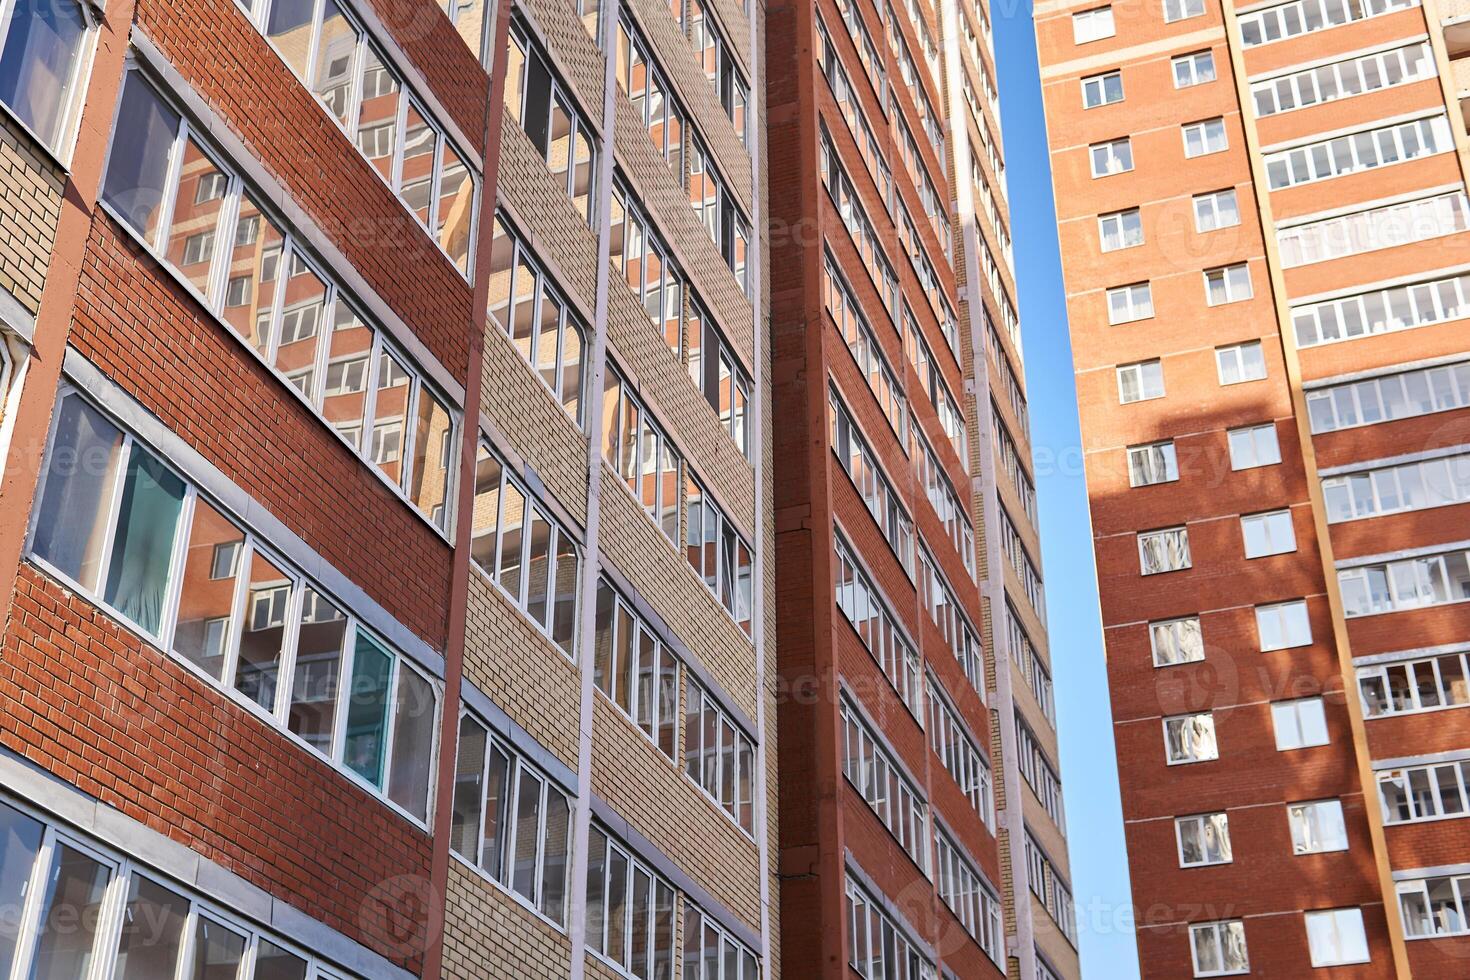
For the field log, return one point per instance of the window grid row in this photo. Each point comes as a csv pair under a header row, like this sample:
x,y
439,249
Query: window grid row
x,y
940,601
1357,152
880,781
857,459
1376,228
950,738
865,608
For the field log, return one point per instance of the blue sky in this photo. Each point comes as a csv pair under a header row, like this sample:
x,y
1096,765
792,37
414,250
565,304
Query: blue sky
x,y
1089,767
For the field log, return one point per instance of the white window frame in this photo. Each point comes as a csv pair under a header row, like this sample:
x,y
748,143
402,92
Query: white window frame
x,y
1203,823
1271,528
1215,930
1176,545
1177,10
1263,444
1194,65
1117,225
1111,148
1300,818
1099,85
1338,917
1092,25
1237,353
1208,718
1151,459
73,91
1211,205
1208,130
1137,303
1234,283
1292,711
1176,629
1283,612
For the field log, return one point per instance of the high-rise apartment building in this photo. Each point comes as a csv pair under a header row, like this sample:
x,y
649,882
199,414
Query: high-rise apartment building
x,y
922,833
385,530
1263,220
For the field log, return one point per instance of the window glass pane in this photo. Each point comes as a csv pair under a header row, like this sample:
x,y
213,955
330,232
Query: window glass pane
x,y
288,27
564,587
143,544
555,858
485,524
336,46
454,209
617,905
390,410
433,454
377,117
367,710
207,599
137,168
255,258
497,805
313,710
528,824
262,632
344,393
469,778
75,889
413,742
152,932
20,840
44,46
80,479
194,222
511,539
274,963
218,952
301,325
417,177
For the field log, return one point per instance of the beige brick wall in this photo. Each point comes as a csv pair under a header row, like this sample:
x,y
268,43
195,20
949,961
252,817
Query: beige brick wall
x,y
489,936
30,206
654,796
521,670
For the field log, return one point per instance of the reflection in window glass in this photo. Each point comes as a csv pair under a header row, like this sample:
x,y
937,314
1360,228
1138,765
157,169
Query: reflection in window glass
x,y
81,474
367,711
318,671
302,308
433,453
255,258
194,218
75,888
413,739
20,841
152,932
138,165
218,951
274,963
262,633
344,389
143,545
45,45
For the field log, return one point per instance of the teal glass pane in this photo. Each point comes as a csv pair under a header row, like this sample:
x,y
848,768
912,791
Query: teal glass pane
x,y
143,544
367,710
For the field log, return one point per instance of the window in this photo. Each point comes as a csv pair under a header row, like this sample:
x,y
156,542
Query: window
x,y
639,450
1369,73
1410,583
963,887
1194,69
44,48
152,199
1129,303
707,942
1302,16
864,238
1283,625
1176,641
1163,551
1216,210
867,611
1240,362
718,755
1033,668
630,909
511,821
1181,9
946,406
1040,775
1047,884
1394,396
943,605
555,125
1253,446
1229,284
1376,228
1420,793
718,374
873,153
339,63
1102,89
646,86
1218,948
523,549
126,531
1317,827
717,211
1112,157
879,948
1392,489
929,473
717,551
713,53
1299,724
1190,738
1154,463
636,670
1013,549
1205,137
1092,25
847,316
857,459
885,786
1438,906
1203,840
87,899
535,315
1271,533
1336,937
1010,459
952,743
1122,229
1415,685
1356,152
